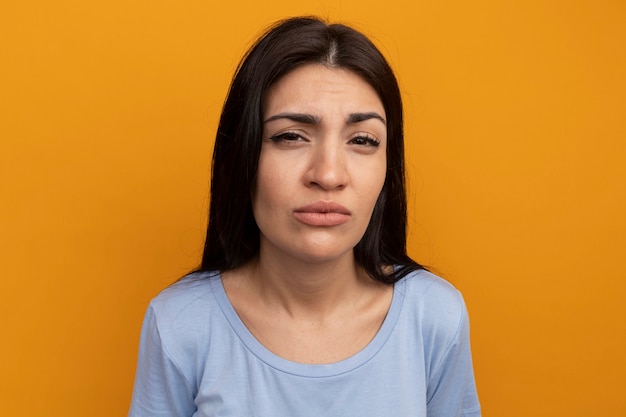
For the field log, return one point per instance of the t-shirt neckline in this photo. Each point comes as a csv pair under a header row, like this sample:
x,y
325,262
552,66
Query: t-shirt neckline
x,y
309,370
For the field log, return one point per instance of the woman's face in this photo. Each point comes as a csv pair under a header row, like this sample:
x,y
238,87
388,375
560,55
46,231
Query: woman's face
x,y
322,164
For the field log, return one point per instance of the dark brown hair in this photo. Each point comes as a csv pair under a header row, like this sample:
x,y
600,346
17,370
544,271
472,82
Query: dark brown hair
x,y
232,235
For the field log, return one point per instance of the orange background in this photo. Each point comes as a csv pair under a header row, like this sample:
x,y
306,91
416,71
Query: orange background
x,y
516,133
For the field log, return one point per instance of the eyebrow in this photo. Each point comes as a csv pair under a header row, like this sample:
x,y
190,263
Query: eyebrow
x,y
361,117
309,119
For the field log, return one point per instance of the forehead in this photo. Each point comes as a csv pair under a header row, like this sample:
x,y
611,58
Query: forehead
x,y
321,89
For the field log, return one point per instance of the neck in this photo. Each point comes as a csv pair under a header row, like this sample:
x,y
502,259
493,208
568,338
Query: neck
x,y
310,291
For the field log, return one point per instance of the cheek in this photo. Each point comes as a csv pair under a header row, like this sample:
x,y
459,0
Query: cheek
x,y
269,189
374,179
263,204
374,197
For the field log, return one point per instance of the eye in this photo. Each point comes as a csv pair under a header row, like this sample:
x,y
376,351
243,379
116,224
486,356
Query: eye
x,y
365,140
287,137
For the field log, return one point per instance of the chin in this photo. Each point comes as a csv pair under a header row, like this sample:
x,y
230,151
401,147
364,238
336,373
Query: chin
x,y
319,255
315,248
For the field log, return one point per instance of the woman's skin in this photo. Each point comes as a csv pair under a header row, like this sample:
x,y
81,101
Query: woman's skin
x,y
321,168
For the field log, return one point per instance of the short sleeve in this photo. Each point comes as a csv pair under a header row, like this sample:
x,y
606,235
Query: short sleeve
x,y
451,388
161,389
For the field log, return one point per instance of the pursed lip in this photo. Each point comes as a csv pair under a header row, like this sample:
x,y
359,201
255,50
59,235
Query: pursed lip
x,y
322,213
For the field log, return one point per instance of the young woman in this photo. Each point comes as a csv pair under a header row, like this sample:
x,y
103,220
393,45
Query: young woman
x,y
306,303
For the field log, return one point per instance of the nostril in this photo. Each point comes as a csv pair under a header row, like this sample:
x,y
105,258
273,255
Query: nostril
x,y
328,178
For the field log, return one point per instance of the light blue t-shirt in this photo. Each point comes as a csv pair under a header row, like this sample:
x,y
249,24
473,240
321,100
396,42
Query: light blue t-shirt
x,y
196,358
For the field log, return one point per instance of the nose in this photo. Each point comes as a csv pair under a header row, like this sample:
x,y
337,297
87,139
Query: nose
x,y
327,166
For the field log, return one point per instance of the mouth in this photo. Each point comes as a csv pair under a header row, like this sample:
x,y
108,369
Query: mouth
x,y
322,213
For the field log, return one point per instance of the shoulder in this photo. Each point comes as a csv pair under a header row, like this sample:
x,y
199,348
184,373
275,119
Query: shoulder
x,y
428,291
434,304
177,328
192,292
185,313
435,312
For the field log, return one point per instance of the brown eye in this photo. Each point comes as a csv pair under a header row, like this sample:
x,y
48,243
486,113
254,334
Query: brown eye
x,y
364,140
286,137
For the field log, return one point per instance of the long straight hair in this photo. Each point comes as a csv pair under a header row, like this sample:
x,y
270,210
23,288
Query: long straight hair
x,y
232,234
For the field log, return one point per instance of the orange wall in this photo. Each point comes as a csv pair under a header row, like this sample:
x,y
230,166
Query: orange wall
x,y
516,133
